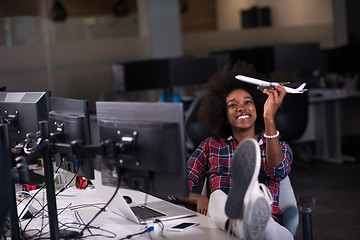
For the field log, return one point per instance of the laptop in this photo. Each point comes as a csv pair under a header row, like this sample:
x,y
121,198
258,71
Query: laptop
x,y
138,212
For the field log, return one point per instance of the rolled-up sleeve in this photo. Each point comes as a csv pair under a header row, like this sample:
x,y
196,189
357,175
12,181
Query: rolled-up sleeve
x,y
196,166
281,171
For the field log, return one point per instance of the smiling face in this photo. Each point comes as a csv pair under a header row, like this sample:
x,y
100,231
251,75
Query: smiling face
x,y
240,110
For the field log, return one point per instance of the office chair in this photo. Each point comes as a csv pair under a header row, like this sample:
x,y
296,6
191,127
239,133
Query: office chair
x,y
292,111
195,131
291,120
288,206
292,116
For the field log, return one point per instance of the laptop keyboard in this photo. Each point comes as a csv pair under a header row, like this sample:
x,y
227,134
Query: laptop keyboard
x,y
144,212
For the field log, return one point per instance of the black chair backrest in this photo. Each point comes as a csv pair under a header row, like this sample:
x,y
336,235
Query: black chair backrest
x,y
195,130
292,116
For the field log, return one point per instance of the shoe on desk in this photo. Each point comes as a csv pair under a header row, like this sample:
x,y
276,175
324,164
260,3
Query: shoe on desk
x,y
246,201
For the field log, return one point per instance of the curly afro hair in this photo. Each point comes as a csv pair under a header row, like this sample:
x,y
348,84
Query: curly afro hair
x,y
212,111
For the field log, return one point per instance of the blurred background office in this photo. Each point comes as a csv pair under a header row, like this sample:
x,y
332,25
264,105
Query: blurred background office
x,y
68,47
86,49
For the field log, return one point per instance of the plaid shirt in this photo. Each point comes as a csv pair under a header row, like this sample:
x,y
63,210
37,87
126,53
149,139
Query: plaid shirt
x,y
212,160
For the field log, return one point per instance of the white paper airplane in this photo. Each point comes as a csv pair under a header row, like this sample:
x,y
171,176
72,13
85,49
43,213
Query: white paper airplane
x,y
264,84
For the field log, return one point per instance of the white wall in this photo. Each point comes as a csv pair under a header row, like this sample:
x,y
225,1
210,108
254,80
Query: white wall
x,y
284,13
78,69
200,44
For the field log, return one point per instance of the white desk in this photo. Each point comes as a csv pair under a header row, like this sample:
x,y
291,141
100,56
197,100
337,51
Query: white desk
x,y
332,114
121,226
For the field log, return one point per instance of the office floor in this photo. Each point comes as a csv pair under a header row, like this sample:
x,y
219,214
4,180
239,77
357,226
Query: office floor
x,y
336,189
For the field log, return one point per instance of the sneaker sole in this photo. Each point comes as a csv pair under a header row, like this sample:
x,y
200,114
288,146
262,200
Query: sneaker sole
x,y
256,219
244,167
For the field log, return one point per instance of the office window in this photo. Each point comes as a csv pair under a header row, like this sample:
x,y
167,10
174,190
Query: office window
x,y
21,22
20,31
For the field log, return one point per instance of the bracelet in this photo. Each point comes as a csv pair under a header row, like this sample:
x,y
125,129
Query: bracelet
x,y
271,136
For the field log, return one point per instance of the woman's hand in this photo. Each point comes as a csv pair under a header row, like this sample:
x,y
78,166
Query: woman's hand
x,y
202,203
273,102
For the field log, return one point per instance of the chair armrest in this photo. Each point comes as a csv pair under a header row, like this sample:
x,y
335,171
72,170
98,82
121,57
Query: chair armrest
x,y
288,206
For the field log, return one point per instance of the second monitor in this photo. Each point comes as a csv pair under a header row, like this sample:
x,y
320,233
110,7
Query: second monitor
x,y
69,121
151,140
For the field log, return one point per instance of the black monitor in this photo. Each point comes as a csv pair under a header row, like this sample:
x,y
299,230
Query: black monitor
x,y
299,57
192,71
256,17
344,60
5,176
141,75
68,122
153,146
23,111
162,73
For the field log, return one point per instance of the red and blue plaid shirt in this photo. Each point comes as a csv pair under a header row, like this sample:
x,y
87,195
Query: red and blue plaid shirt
x,y
212,159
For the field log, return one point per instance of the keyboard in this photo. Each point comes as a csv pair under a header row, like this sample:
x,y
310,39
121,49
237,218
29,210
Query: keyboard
x,y
144,212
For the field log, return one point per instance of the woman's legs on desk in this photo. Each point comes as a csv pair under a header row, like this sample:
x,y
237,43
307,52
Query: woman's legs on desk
x,y
246,210
216,212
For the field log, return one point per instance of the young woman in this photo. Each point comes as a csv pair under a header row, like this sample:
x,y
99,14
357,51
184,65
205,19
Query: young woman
x,y
237,112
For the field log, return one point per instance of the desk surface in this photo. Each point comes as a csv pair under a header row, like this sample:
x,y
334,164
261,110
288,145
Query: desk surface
x,y
328,121
76,205
322,95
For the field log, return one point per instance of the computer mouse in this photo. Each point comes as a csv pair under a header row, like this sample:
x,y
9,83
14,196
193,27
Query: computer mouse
x,y
127,199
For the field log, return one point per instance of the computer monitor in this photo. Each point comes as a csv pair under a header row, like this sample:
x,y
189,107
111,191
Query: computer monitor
x,y
297,57
5,176
192,71
162,73
152,139
23,111
69,121
141,75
